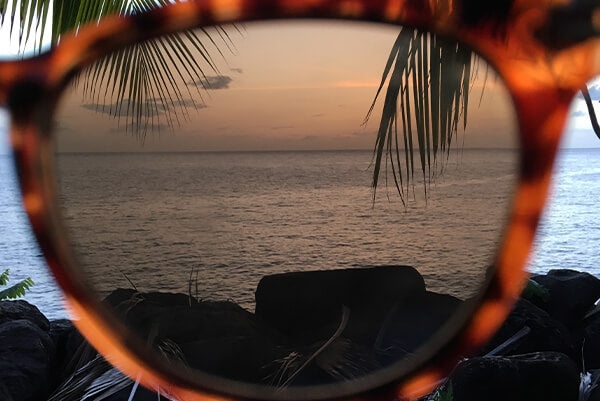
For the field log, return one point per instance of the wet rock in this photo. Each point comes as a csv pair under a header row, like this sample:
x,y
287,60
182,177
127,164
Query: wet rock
x,y
546,334
13,310
548,376
304,305
572,294
26,360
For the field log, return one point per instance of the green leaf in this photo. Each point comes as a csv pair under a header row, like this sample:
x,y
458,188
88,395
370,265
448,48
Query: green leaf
x,y
4,277
18,290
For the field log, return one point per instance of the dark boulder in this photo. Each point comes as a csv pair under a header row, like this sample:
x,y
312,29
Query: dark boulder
x,y
572,294
4,394
546,334
221,338
15,310
547,376
588,335
408,325
305,305
123,299
26,359
67,341
246,358
178,323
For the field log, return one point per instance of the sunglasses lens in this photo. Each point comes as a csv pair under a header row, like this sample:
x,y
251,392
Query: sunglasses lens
x,y
216,187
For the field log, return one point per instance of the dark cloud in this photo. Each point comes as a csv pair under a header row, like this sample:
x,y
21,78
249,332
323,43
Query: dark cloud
x,y
126,108
238,70
277,127
318,115
213,82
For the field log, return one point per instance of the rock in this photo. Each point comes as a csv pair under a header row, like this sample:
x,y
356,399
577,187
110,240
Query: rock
x,y
4,394
25,360
220,338
67,340
14,310
546,333
588,335
547,376
184,323
248,359
304,305
408,325
123,299
572,294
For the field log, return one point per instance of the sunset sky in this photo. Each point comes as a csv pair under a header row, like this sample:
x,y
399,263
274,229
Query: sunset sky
x,y
300,85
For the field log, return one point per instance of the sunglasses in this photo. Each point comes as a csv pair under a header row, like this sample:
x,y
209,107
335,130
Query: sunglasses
x,y
176,168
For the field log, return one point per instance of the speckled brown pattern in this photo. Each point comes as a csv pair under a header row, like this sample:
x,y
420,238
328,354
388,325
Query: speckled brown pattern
x,y
543,82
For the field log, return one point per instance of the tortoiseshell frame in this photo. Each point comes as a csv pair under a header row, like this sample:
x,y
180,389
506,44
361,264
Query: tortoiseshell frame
x,y
542,82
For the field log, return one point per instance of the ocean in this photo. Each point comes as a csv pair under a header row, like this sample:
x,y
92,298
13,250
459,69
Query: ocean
x,y
228,219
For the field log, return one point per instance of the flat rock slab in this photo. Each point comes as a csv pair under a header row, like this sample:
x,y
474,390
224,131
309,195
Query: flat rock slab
x,y
301,302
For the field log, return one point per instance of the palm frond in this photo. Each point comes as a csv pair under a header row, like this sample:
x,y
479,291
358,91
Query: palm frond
x,y
428,85
144,85
4,277
18,290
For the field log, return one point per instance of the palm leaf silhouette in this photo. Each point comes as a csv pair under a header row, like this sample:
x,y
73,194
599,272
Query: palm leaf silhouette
x,y
428,91
146,84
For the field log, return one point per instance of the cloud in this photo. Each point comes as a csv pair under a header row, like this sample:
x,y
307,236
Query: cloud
x,y
318,115
213,82
238,70
579,113
126,108
278,127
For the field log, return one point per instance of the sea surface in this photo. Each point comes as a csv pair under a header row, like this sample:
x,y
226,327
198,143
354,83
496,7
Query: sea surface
x,y
227,219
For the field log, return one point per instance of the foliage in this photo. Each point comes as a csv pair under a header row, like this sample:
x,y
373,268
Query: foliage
x,y
428,91
145,84
15,291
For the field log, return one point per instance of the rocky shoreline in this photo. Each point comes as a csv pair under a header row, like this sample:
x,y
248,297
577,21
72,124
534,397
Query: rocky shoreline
x,y
550,339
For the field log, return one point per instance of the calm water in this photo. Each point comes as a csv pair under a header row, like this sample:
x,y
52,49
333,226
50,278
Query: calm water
x,y
568,238
233,218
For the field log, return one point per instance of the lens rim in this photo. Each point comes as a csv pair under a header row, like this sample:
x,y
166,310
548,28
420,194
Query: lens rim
x,y
541,111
